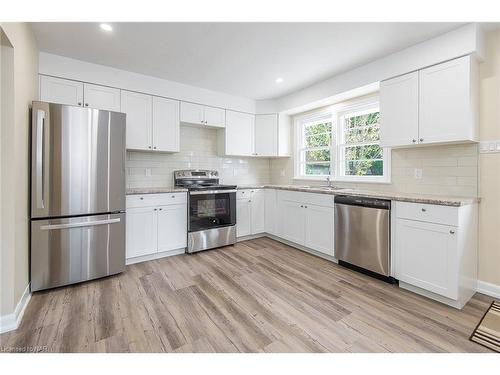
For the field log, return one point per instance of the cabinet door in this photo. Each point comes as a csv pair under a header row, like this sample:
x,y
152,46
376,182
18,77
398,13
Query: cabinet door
x,y
293,222
270,211
192,113
319,228
258,212
172,227
399,111
239,137
243,224
101,97
266,135
426,256
166,125
215,117
445,102
63,91
141,233
138,108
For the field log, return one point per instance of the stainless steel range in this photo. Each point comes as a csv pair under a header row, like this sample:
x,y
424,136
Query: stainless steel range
x,y
212,209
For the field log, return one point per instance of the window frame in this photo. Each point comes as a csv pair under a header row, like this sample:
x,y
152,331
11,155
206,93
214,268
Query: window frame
x,y
335,113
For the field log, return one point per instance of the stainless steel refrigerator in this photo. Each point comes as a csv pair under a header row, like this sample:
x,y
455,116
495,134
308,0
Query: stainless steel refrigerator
x,y
77,194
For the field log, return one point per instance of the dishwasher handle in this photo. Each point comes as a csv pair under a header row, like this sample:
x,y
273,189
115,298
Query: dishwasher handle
x,y
382,204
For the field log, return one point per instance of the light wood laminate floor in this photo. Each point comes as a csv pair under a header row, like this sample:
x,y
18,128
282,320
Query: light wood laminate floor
x,y
257,296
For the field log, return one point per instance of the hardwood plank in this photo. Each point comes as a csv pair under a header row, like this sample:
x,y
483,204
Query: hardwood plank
x,y
256,296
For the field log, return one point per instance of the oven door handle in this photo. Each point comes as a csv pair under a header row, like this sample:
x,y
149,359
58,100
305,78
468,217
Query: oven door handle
x,y
201,192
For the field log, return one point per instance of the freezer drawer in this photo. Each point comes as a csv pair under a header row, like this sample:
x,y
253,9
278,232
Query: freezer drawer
x,y
71,250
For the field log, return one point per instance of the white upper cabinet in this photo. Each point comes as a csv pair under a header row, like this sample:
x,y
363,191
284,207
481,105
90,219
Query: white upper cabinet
x,y
239,134
63,91
138,108
215,117
448,94
202,115
266,135
166,125
101,97
192,113
434,105
399,111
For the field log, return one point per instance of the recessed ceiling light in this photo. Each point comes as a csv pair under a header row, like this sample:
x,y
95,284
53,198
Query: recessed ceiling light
x,y
105,27
279,80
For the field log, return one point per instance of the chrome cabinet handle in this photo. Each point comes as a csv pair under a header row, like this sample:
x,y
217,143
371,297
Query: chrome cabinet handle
x,y
154,209
141,198
452,232
160,209
305,206
79,103
414,140
79,225
40,158
86,104
424,210
421,139
154,147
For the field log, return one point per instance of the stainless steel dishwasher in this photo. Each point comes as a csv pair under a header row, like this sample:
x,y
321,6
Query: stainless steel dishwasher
x,y
362,235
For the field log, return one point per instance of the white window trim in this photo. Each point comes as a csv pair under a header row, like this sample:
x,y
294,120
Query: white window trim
x,y
334,113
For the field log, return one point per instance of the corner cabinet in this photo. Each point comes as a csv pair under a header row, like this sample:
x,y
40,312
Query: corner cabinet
x,y
434,105
156,224
435,250
262,135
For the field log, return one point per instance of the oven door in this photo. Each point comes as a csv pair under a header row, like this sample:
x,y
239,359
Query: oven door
x,y
211,209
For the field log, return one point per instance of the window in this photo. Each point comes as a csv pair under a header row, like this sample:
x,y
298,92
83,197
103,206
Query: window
x,y
343,143
315,148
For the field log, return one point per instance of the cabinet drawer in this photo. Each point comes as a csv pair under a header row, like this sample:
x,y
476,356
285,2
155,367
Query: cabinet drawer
x,y
427,212
244,194
147,200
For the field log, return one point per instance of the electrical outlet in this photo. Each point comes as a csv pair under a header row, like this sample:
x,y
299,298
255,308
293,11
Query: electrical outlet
x,y
417,173
148,172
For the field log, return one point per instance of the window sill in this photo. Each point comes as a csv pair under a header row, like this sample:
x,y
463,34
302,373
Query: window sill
x,y
343,180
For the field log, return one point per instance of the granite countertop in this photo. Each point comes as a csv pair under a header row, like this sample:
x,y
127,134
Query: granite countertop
x,y
401,197
154,190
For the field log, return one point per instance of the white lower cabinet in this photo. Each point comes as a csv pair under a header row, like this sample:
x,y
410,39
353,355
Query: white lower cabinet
x,y
270,211
141,231
435,250
250,212
156,223
306,219
172,221
319,228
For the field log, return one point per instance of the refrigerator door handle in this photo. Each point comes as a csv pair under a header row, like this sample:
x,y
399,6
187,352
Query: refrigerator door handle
x,y
79,225
40,158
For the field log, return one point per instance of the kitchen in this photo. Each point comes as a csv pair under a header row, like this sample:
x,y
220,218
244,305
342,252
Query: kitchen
x,y
350,215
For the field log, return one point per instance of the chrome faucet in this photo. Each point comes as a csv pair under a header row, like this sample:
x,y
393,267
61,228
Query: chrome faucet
x,y
328,181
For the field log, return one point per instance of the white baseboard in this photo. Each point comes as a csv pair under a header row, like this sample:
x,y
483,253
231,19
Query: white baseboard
x,y
489,289
154,256
10,322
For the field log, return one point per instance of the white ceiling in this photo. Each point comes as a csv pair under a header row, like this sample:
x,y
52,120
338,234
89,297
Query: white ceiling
x,y
237,58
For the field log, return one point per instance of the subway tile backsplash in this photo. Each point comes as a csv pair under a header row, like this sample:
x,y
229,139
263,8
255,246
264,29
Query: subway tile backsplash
x,y
446,170
198,149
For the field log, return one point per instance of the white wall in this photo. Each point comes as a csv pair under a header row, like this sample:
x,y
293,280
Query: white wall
x,y
15,175
78,70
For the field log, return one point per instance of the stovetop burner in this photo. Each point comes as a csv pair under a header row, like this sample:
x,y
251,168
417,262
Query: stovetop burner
x,y
198,179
